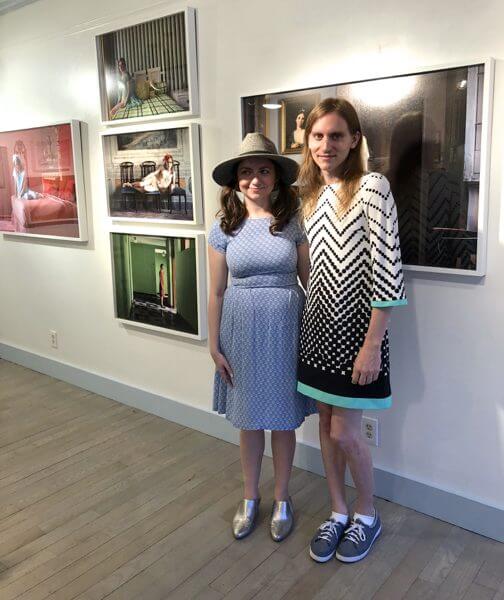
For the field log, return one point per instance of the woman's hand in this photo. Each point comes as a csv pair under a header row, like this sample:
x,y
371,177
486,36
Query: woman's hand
x,y
367,364
222,366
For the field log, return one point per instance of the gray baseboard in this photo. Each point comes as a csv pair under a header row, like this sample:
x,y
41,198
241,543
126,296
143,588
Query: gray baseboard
x,y
452,508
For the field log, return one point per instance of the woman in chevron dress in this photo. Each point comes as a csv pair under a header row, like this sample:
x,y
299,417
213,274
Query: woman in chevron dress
x,y
355,279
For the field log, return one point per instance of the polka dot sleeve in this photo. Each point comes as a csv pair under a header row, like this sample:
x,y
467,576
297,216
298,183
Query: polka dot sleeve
x,y
381,214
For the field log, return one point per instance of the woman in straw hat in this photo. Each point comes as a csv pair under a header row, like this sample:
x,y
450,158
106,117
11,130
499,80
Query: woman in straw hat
x,y
254,321
355,279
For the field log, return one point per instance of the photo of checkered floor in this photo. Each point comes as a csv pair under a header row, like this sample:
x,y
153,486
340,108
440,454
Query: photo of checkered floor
x,y
158,105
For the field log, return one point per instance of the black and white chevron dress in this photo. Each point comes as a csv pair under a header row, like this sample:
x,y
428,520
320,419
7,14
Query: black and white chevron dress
x,y
355,266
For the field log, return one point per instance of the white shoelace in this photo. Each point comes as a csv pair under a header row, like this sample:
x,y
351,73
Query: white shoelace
x,y
355,532
327,530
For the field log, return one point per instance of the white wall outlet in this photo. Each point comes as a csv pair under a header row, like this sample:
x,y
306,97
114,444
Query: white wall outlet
x,y
370,431
53,337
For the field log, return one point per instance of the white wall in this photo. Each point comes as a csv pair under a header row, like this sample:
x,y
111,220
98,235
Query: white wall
x,y
447,426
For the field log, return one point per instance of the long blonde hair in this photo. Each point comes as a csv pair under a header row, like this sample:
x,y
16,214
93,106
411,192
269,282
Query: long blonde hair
x,y
310,179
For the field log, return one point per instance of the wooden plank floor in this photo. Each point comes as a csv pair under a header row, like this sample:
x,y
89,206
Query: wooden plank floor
x,y
99,500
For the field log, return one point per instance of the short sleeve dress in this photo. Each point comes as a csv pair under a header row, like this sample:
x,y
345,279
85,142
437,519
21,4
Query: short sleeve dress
x,y
355,265
259,328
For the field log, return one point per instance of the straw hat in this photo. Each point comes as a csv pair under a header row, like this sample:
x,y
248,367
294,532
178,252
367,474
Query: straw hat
x,y
257,145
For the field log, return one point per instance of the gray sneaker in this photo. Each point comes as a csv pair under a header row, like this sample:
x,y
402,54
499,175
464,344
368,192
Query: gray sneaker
x,y
358,540
324,542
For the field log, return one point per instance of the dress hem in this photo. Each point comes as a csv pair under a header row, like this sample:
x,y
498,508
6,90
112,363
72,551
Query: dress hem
x,y
260,428
344,401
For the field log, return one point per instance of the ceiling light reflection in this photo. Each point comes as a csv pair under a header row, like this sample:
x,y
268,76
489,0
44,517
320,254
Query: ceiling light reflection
x,y
385,92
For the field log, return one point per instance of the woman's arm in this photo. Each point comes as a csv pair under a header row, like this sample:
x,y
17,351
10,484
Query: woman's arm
x,y
218,284
368,362
388,284
127,90
303,263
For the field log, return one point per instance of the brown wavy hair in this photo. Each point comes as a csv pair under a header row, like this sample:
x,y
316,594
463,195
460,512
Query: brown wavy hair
x,y
354,167
233,211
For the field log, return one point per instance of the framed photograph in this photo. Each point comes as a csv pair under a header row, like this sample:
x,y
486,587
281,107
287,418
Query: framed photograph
x,y
149,70
41,182
429,134
159,281
153,173
294,110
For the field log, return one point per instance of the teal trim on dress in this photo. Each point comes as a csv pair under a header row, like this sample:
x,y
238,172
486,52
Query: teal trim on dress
x,y
385,303
344,401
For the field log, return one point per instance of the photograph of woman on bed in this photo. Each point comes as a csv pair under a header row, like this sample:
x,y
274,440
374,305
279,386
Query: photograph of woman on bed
x,y
21,189
37,182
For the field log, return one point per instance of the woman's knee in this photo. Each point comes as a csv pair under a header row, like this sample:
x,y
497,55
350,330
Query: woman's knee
x,y
285,437
325,416
347,440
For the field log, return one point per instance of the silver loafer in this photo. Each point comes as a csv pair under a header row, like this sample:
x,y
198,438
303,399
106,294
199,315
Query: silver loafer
x,y
282,519
245,518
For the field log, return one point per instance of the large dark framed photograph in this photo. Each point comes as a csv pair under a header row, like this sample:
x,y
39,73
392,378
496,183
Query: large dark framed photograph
x,y
42,183
149,70
152,174
159,281
429,133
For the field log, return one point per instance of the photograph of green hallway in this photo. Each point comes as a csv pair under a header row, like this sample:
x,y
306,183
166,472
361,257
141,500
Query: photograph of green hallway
x,y
156,281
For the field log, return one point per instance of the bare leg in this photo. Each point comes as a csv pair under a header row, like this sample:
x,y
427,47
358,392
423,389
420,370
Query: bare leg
x,y
346,434
117,107
251,453
283,444
334,460
137,185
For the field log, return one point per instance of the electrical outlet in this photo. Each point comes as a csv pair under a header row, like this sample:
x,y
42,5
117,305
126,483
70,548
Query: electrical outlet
x,y
53,337
370,431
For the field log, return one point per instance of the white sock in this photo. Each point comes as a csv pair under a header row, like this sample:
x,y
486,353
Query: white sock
x,y
366,519
339,517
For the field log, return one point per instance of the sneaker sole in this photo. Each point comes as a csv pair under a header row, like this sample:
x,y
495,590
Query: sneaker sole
x,y
352,559
321,559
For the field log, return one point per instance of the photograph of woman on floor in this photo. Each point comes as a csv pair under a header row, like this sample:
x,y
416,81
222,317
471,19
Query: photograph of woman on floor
x,y
254,321
126,86
355,278
160,180
144,68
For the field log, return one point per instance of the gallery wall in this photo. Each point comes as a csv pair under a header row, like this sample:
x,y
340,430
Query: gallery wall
x,y
447,425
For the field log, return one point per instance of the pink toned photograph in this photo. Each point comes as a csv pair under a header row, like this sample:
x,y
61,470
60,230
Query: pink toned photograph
x,y
39,185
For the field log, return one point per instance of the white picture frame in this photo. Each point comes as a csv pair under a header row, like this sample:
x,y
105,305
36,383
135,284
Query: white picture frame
x,y
190,132
48,229
183,61
198,314
479,222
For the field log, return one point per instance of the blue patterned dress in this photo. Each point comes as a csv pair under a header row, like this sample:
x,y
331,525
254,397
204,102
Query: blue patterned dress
x,y
259,328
